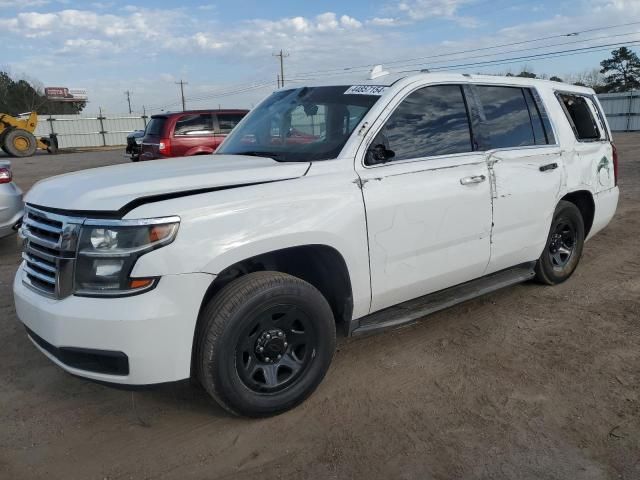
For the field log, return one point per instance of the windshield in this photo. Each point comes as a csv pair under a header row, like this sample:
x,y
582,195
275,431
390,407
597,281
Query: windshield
x,y
299,125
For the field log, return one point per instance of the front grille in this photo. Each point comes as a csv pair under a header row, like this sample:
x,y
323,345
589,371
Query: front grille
x,y
49,251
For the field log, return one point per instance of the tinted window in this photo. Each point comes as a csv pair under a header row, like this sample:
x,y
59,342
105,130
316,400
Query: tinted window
x,y
548,130
538,127
504,118
579,113
228,121
194,124
155,126
431,121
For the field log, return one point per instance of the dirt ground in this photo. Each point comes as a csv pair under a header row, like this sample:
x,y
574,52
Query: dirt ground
x,y
530,382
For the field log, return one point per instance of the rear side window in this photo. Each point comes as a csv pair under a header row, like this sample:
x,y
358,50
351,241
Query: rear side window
x,y
194,124
431,121
505,121
155,126
228,121
581,116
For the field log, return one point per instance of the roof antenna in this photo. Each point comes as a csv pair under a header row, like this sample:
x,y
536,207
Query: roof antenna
x,y
377,71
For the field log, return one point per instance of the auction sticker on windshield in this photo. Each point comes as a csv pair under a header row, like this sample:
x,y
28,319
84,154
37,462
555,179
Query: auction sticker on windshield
x,y
365,90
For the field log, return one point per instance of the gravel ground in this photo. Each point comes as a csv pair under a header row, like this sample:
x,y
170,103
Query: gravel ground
x,y
530,382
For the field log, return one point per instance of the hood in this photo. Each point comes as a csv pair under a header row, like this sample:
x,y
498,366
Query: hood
x,y
109,189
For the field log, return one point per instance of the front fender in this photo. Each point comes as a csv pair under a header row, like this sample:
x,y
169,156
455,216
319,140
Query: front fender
x,y
221,228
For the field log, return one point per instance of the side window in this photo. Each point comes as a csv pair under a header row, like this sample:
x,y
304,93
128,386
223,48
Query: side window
x,y
539,133
228,121
580,116
431,121
544,116
504,118
194,124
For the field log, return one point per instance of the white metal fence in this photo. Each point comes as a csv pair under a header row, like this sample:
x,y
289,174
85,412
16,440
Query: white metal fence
x,y
622,110
77,131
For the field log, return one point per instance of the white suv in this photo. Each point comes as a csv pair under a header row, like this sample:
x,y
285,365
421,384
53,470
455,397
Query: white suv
x,y
341,207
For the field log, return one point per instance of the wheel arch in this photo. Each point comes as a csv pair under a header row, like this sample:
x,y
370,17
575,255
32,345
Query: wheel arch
x,y
199,151
322,266
583,199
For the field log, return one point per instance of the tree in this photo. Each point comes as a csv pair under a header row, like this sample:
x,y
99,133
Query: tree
x,y
20,96
622,70
526,74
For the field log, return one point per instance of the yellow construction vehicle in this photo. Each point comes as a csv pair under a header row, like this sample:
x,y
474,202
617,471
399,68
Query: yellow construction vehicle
x,y
17,138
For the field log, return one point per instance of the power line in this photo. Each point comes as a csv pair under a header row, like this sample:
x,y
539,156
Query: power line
x,y
473,50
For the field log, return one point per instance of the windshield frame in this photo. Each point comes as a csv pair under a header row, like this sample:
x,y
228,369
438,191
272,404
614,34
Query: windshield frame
x,y
342,112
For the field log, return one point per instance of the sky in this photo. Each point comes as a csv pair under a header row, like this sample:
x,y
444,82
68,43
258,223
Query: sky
x,y
224,50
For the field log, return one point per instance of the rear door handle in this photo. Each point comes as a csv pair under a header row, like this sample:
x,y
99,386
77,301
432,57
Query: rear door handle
x,y
472,180
549,166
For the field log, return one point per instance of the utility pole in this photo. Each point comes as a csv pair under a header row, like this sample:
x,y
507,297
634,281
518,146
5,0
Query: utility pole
x,y
128,94
282,56
182,84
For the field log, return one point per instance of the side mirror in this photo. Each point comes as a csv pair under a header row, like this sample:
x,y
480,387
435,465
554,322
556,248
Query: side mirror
x,y
379,154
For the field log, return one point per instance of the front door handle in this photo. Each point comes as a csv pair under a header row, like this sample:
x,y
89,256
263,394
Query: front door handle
x,y
549,166
472,180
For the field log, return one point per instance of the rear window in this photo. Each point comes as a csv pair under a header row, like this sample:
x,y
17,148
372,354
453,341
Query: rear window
x,y
155,126
194,124
581,116
228,121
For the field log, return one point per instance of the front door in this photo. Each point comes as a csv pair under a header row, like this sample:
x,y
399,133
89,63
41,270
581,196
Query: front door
x,y
427,198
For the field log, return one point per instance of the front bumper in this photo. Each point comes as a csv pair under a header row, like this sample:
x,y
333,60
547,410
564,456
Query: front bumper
x,y
11,208
154,330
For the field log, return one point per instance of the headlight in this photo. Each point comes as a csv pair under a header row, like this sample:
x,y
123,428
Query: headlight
x,y
108,251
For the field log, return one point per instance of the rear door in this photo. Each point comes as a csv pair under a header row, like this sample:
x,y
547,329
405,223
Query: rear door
x,y
193,134
429,206
525,166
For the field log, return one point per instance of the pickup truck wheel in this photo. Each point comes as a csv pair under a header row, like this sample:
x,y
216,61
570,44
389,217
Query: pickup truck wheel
x,y
564,245
266,343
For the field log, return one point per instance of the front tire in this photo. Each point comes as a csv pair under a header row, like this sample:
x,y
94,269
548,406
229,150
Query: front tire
x,y
266,343
564,245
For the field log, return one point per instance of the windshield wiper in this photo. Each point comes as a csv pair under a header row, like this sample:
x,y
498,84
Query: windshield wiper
x,y
258,153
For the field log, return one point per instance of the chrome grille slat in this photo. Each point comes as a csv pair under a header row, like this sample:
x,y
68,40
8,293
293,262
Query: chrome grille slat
x,y
39,263
44,226
40,276
49,251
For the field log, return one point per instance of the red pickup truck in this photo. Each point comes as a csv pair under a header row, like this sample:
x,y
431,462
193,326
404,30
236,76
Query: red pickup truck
x,y
181,134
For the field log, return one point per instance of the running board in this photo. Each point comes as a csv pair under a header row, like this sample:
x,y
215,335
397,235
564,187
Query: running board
x,y
413,310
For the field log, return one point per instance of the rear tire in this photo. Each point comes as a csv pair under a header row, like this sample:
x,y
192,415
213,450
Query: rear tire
x,y
20,143
564,245
266,343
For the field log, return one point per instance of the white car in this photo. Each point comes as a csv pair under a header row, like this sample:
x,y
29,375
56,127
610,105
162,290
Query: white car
x,y
343,207
11,204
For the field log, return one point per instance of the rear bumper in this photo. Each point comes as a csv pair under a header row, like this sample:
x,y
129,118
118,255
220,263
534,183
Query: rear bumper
x,y
606,203
139,340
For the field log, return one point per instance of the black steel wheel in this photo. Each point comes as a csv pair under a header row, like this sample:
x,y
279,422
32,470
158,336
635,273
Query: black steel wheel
x,y
265,343
564,245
